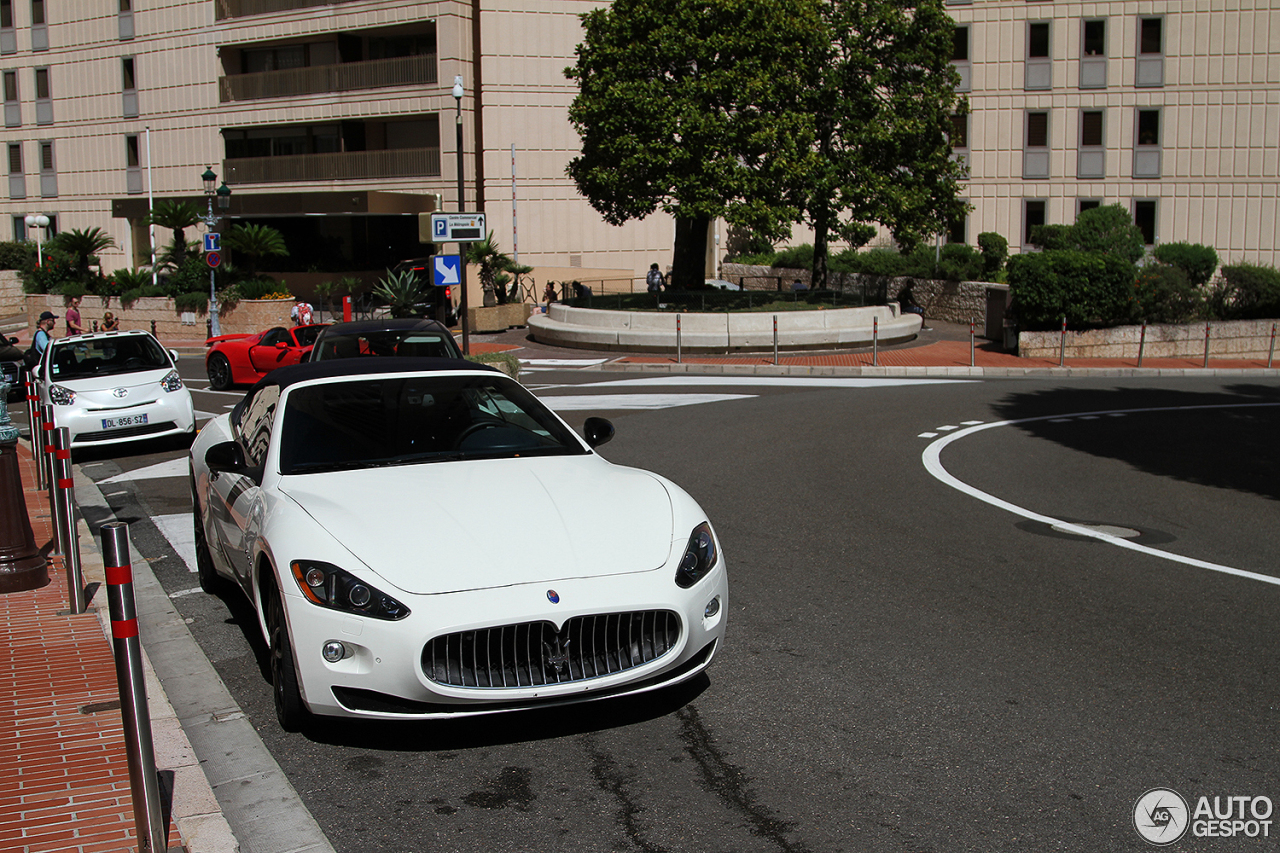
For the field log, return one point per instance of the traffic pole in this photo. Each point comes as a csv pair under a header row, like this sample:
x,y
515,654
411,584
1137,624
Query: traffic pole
x,y
153,836
67,520
875,341
1142,342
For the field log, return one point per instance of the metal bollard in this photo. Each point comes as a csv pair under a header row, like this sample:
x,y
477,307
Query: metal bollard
x,y
153,836
679,354
1271,351
33,428
47,451
775,338
1142,342
1206,344
1062,347
972,362
875,341
67,520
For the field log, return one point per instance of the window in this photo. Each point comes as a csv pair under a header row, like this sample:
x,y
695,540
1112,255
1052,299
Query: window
x,y
960,57
1144,216
48,171
1038,66
1091,157
39,26
1146,150
1035,152
1093,55
1087,204
1033,216
958,228
129,85
19,227
125,20
133,164
1150,62
256,419
44,97
959,132
12,104
8,35
17,180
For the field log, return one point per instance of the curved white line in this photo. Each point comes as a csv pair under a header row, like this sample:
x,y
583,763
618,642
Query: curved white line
x,y
933,464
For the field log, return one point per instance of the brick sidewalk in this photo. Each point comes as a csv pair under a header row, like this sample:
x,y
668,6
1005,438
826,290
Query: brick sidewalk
x,y
65,784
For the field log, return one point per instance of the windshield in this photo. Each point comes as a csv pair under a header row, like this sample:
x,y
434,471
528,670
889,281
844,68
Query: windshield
x,y
307,335
78,358
370,423
415,343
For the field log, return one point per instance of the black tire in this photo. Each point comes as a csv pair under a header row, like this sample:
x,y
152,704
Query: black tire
x,y
291,713
208,575
219,370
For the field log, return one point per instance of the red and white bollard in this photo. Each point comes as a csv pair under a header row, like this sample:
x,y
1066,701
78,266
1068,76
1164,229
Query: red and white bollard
x,y
972,346
144,784
775,338
1206,343
33,418
1142,342
1062,347
66,527
1271,351
47,461
679,354
875,341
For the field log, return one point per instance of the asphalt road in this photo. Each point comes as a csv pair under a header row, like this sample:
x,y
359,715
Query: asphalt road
x,y
908,666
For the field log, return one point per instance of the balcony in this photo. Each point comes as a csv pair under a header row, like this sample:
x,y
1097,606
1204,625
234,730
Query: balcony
x,y
244,8
323,79
346,166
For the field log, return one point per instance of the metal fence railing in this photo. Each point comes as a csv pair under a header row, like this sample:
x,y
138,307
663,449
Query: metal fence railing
x,y
321,79
347,165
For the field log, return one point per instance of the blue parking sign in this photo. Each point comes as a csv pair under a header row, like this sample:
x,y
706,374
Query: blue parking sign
x,y
439,228
446,270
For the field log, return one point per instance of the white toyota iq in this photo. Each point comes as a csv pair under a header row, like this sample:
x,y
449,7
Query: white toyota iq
x,y
112,387
422,538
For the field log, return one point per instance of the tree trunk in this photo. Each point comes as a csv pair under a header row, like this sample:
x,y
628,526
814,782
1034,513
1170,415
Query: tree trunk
x,y
821,225
689,264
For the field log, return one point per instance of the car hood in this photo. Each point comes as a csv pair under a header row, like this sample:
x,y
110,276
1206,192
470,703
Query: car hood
x,y
139,387
453,526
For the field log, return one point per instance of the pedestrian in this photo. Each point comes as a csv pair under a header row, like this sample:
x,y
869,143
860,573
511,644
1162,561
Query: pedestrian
x,y
798,285
110,323
549,294
75,326
44,328
653,279
301,313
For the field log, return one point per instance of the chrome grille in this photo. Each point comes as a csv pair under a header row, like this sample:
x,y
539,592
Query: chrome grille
x,y
534,653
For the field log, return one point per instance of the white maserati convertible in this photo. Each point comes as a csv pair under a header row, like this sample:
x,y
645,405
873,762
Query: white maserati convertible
x,y
422,538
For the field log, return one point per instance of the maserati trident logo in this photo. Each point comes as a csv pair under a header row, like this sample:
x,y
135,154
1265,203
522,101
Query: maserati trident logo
x,y
120,392
553,596
556,654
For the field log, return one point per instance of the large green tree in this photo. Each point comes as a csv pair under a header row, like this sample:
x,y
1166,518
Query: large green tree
x,y
692,107
882,98
255,241
177,216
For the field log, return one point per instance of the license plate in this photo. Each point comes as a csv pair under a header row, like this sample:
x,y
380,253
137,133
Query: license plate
x,y
124,421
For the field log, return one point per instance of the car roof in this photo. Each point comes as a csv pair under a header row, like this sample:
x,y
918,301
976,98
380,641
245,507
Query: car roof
x,y
93,336
294,373
386,324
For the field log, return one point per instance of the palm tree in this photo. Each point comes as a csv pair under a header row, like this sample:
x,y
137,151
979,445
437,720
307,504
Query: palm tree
x,y
82,246
255,241
177,216
493,266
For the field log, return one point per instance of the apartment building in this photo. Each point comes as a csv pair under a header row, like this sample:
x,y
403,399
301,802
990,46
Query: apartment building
x,y
332,120
1171,109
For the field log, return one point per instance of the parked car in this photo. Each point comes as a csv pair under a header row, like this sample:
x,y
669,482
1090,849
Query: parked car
x,y
407,336
441,303
13,372
359,505
244,359
112,387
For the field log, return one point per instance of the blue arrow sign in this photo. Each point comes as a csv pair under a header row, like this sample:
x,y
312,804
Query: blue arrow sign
x,y
447,270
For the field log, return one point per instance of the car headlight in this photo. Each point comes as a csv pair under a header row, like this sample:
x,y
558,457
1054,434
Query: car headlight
x,y
60,396
699,558
172,381
328,586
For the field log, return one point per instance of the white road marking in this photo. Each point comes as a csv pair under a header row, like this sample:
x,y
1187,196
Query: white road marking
x,y
933,464
181,533
185,592
171,468
549,363
776,381
927,435
583,402
206,415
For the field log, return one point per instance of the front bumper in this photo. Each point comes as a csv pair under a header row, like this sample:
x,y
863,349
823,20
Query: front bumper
x,y
168,413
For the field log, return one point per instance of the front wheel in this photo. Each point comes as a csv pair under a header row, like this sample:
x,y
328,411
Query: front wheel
x,y
219,370
208,575
291,713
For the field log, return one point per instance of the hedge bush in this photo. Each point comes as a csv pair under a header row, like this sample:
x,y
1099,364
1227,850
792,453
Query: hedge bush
x,y
1197,261
1087,288
1247,292
995,251
1163,293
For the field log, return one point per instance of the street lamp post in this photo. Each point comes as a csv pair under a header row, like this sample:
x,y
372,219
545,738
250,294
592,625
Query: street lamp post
x,y
223,194
462,247
37,220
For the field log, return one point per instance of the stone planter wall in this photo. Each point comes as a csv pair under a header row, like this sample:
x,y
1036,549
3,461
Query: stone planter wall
x,y
245,317
1227,339
499,318
951,301
12,299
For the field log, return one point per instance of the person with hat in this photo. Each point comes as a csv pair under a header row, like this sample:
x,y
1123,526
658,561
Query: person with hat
x,y
44,326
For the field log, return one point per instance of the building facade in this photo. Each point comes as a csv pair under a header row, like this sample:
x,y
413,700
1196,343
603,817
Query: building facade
x,y
332,120
1171,109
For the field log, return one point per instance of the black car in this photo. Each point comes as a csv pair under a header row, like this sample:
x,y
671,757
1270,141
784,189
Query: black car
x,y
14,373
409,336
440,305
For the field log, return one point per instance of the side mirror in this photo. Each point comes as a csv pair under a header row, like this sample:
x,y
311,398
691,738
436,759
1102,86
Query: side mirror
x,y
597,431
173,354
225,457
281,345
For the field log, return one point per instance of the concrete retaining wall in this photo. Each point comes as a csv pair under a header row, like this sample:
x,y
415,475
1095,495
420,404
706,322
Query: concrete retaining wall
x,y
1227,339
12,299
651,331
951,301
245,317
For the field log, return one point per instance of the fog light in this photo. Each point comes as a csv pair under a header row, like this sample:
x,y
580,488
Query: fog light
x,y
713,607
333,651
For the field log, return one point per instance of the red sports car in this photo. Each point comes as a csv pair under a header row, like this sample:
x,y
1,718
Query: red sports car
x,y
244,359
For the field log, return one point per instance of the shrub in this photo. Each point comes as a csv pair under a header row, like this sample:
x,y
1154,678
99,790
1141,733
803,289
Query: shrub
x,y
1197,261
258,288
884,262
762,260
1164,294
1087,288
795,258
195,301
510,364
17,255
1053,237
960,262
1248,292
995,251
133,294
1109,229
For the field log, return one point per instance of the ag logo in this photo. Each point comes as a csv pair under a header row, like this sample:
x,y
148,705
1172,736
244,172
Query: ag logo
x,y
1161,816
